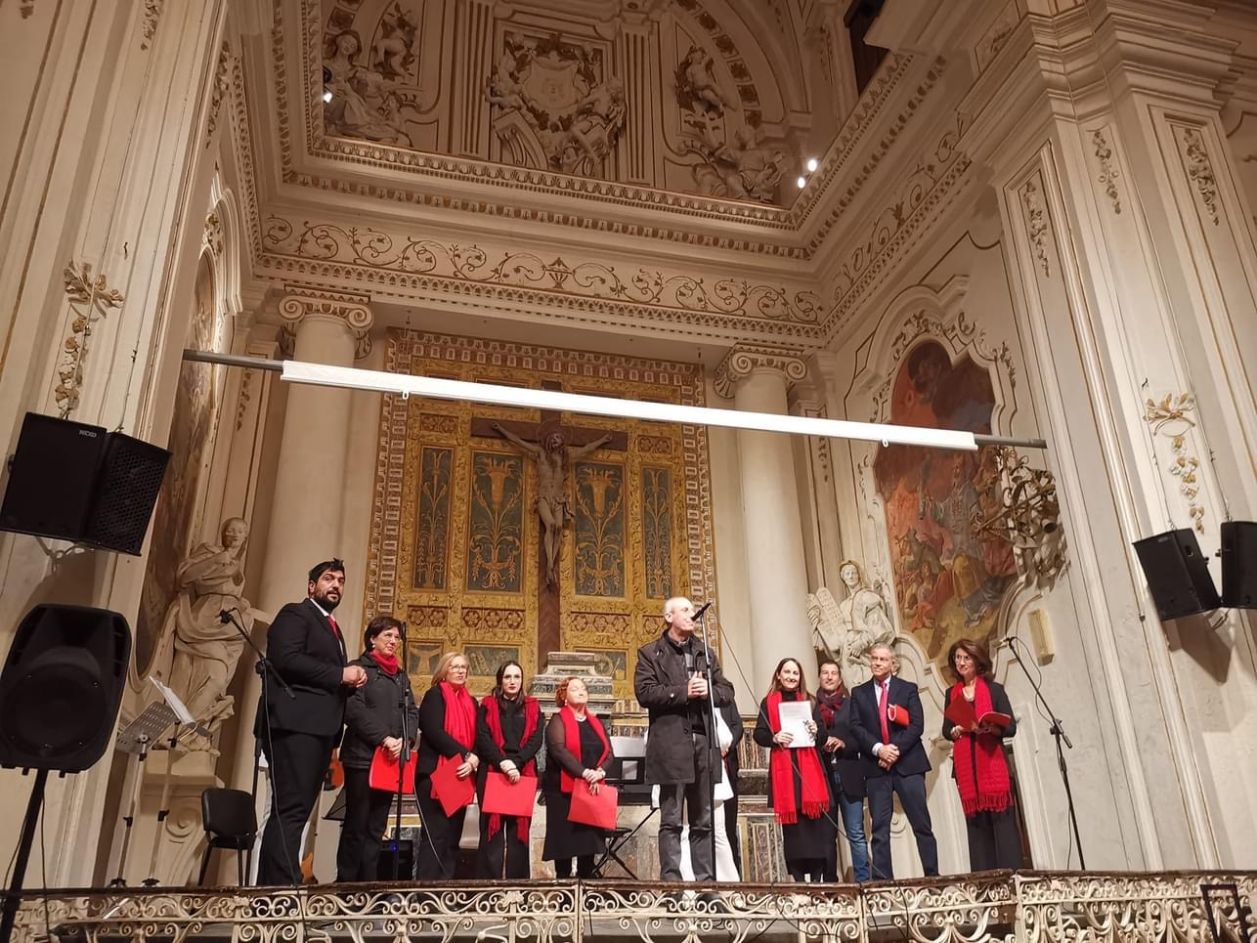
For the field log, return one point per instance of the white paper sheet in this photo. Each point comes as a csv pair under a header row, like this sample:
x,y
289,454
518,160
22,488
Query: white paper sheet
x,y
794,718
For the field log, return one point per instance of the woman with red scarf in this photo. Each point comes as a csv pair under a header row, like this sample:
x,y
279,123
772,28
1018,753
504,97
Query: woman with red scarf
x,y
508,736
978,762
798,791
577,747
447,717
373,718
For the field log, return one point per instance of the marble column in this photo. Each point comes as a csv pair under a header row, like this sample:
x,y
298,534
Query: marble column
x,y
757,380
305,519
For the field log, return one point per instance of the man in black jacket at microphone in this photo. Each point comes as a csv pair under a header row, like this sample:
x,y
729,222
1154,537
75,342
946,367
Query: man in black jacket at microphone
x,y
682,750
300,725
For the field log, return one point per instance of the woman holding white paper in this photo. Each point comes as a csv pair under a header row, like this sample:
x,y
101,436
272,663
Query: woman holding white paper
x,y
508,736
979,766
798,791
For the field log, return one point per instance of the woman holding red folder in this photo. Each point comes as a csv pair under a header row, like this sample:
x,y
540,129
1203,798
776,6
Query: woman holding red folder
x,y
576,748
373,721
447,717
508,736
978,763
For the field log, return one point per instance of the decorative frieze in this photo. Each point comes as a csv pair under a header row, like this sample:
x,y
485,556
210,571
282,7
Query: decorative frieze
x,y
354,310
745,359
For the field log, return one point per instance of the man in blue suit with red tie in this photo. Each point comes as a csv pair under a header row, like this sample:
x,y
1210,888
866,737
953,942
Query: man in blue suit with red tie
x,y
887,722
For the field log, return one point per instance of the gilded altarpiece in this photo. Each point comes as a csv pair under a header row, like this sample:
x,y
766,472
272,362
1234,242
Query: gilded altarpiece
x,y
455,533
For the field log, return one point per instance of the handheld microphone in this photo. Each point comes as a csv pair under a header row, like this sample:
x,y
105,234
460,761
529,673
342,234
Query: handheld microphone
x,y
1006,642
224,615
702,609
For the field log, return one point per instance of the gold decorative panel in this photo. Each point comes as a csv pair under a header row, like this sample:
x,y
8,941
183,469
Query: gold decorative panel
x,y
456,537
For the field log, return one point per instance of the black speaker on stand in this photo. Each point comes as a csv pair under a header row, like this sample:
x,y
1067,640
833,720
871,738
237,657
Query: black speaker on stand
x,y
1239,564
73,481
1177,573
60,690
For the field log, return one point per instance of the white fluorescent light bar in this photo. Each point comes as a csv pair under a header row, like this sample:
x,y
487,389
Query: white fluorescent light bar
x,y
491,395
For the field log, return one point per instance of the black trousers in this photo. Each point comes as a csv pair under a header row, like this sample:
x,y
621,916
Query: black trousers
x,y
583,867
503,856
911,792
366,818
731,830
994,841
438,843
691,801
298,763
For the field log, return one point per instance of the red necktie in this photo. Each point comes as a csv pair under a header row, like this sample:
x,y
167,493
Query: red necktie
x,y
881,709
336,628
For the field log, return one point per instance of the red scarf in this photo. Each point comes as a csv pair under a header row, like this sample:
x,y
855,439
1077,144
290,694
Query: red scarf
x,y
388,663
830,703
781,774
990,790
571,739
493,719
460,719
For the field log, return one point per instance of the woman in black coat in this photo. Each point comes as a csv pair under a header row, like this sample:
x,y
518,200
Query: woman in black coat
x,y
798,791
378,715
447,717
577,748
979,766
508,736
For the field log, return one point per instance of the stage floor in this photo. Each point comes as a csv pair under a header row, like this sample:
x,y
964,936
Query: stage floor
x,y
1022,907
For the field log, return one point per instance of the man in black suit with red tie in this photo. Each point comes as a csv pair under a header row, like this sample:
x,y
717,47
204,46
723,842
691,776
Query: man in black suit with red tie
x,y
299,731
894,758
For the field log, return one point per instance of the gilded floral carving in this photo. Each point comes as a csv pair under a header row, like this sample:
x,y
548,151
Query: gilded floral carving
x,y
1036,223
1108,173
1171,416
90,298
1199,169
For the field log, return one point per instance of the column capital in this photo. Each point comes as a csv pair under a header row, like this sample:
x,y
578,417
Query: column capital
x,y
744,359
299,303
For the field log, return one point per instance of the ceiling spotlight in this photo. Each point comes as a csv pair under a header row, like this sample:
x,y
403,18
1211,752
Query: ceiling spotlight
x,y
327,95
812,164
802,182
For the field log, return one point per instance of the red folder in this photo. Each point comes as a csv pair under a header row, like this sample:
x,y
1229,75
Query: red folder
x,y
596,810
453,793
897,714
961,713
501,797
385,769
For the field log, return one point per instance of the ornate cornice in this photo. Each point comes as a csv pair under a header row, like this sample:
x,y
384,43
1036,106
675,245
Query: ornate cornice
x,y
301,302
744,359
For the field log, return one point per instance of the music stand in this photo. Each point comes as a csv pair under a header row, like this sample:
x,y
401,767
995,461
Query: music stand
x,y
135,739
182,718
628,773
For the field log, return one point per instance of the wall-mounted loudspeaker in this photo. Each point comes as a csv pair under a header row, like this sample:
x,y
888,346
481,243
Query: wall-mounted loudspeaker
x,y
1178,575
1239,564
72,481
61,686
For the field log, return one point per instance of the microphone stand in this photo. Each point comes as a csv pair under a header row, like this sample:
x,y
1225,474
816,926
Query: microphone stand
x,y
714,759
265,670
1057,730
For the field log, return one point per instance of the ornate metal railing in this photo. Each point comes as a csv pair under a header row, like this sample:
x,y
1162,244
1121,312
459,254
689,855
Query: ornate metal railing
x,y
1031,907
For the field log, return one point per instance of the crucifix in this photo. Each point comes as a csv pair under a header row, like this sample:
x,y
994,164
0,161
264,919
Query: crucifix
x,y
555,448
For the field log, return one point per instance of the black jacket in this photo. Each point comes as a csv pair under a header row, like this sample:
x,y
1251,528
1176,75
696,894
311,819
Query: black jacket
x,y
999,702
845,762
374,711
867,728
307,654
520,753
435,742
660,683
